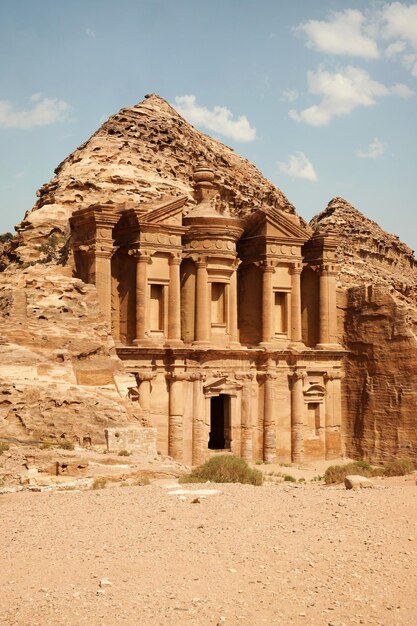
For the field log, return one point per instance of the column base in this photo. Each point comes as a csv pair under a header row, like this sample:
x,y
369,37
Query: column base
x,y
144,342
328,346
173,343
201,344
234,345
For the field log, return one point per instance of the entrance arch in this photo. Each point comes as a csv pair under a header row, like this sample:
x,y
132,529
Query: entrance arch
x,y
220,423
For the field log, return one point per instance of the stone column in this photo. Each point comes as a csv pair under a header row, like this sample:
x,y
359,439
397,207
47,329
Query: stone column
x,y
200,444
297,417
246,412
174,301
103,281
333,417
232,305
267,316
269,419
333,338
202,312
144,388
296,335
141,297
115,303
175,421
324,306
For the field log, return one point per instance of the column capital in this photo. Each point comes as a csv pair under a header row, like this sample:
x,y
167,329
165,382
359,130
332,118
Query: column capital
x,y
142,256
201,262
144,376
175,258
178,376
333,376
267,267
297,375
296,268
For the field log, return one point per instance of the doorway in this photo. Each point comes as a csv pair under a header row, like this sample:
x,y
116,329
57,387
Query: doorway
x,y
219,438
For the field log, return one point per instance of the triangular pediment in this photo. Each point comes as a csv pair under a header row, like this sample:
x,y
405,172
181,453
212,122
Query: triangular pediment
x,y
275,224
168,211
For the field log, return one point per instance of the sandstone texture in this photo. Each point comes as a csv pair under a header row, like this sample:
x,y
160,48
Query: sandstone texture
x,y
60,377
377,324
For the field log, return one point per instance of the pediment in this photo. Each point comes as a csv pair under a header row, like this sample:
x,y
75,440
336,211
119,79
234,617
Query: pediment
x,y
224,385
275,224
168,211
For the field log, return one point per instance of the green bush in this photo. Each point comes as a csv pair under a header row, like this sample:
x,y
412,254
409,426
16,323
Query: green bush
x,y
289,479
224,468
124,453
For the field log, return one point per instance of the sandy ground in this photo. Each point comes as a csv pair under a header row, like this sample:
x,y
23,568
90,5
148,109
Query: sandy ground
x,y
276,554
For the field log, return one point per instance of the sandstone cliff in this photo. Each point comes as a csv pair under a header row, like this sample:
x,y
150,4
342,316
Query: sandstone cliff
x,y
140,154
59,375
378,322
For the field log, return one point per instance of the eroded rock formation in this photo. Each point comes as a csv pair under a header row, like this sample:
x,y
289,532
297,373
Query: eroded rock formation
x,y
378,306
60,376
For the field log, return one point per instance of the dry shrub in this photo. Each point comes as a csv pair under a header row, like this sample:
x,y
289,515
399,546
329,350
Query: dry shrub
x,y
99,483
4,447
398,467
224,468
66,445
337,473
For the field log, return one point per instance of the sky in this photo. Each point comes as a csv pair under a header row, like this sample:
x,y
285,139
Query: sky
x,y
320,96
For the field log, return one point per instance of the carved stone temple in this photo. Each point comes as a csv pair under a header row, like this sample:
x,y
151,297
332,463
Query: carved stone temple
x,y
227,323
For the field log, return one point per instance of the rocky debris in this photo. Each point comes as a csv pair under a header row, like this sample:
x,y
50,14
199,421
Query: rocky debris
x,y
377,303
355,482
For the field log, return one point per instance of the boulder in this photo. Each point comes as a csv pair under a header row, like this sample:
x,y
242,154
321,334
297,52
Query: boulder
x,y
355,482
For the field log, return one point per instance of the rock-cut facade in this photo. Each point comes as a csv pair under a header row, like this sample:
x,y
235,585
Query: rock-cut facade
x,y
228,323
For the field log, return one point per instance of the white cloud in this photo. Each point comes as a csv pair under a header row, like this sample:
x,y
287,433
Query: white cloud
x,y
401,90
343,33
394,49
219,120
46,111
90,33
375,150
289,95
341,93
400,22
298,166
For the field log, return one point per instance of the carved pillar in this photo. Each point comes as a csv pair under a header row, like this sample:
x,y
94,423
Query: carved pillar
x,y
246,412
296,303
333,415
269,419
202,313
232,303
103,281
141,296
324,306
333,338
200,439
297,417
115,303
267,316
174,301
175,422
144,389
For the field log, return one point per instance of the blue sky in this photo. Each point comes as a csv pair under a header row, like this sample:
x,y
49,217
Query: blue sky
x,y
321,96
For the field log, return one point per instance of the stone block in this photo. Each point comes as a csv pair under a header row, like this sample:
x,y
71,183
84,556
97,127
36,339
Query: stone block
x,y
133,439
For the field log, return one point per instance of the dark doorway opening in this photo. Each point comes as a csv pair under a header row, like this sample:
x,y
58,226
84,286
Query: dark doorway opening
x,y
219,438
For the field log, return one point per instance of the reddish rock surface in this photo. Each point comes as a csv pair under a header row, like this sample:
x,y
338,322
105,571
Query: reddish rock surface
x,y
377,302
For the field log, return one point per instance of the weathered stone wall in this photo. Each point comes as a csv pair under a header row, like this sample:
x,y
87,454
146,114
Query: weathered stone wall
x,y
377,324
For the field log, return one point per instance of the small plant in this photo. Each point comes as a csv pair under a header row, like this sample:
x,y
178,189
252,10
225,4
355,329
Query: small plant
x,y
317,479
124,453
99,483
46,445
259,462
224,469
4,447
5,237
398,467
141,482
301,480
289,479
66,445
